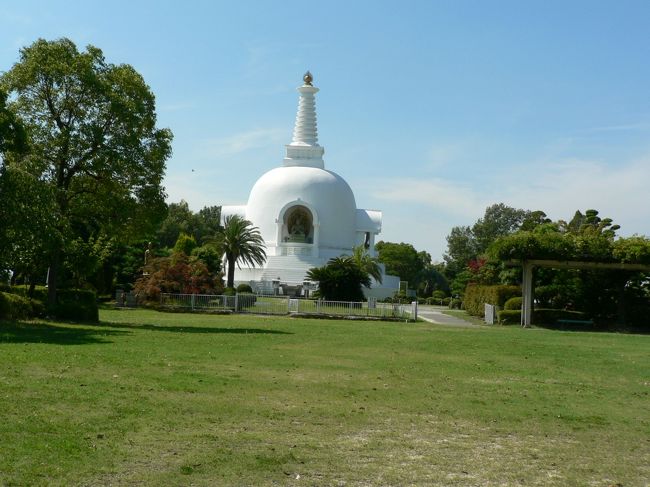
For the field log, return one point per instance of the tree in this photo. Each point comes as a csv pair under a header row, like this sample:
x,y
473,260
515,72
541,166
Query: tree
x,y
586,237
240,242
92,136
341,279
498,220
400,259
185,244
461,248
12,133
368,264
180,219
28,224
176,274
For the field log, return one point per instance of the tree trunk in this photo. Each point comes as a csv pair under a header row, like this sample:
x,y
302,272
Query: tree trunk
x,y
52,277
231,272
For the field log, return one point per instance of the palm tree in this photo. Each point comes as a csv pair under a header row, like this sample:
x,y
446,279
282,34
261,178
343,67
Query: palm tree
x,y
241,242
369,265
340,279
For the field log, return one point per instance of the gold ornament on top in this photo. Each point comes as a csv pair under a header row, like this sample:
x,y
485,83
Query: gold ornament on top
x,y
308,78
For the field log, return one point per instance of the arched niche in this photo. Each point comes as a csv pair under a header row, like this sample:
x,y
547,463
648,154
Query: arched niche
x,y
297,225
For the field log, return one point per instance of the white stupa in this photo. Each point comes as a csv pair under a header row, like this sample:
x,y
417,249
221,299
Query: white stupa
x,y
305,213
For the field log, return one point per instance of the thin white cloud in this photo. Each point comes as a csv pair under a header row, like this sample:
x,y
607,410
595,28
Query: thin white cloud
x,y
450,197
242,142
427,208
560,189
630,127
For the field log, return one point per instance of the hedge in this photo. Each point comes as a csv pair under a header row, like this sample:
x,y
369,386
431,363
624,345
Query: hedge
x,y
72,304
476,296
540,316
244,288
513,303
75,305
14,307
40,292
509,317
551,316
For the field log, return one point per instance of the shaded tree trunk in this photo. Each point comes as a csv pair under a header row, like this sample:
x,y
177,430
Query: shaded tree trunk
x,y
52,277
230,282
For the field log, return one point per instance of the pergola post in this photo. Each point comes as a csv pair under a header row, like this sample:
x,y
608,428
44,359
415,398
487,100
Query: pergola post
x,y
527,294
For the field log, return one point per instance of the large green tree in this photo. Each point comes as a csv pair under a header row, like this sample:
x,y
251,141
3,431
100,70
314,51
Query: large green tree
x,y
240,241
92,135
400,259
180,219
12,132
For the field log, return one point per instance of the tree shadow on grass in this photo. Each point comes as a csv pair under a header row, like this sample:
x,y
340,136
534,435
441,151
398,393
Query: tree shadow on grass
x,y
38,332
191,329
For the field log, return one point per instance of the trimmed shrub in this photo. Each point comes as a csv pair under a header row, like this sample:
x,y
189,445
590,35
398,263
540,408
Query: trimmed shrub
x,y
244,288
14,307
229,291
40,292
455,304
540,316
75,305
513,303
509,317
551,316
476,296
245,300
438,294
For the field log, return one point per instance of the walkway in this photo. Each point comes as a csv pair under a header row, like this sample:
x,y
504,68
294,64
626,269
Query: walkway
x,y
435,315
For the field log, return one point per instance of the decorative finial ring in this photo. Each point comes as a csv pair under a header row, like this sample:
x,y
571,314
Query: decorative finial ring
x,y
308,78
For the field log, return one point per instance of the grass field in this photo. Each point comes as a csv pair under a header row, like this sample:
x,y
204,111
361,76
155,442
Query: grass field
x,y
150,398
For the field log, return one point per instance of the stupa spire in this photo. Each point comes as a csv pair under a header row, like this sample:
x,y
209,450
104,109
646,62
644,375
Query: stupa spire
x,y
304,149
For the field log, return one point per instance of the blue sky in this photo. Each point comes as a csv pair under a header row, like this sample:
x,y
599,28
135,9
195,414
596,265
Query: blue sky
x,y
430,110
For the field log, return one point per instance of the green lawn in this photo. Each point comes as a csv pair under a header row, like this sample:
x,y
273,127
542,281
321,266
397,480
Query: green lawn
x,y
151,398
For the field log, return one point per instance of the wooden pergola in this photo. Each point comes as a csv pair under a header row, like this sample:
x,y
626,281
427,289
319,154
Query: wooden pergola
x,y
527,279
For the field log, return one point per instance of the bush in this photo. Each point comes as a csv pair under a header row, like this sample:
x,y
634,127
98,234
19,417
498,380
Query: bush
x,y
75,305
509,317
72,304
438,294
244,288
245,300
14,307
551,316
540,316
513,303
476,296
40,292
229,291
455,304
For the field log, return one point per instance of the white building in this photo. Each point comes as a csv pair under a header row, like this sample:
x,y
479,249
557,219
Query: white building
x,y
305,213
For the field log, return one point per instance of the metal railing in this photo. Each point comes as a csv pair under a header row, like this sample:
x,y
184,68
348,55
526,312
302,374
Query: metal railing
x,y
282,305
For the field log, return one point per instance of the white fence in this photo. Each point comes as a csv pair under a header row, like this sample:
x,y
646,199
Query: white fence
x,y
282,305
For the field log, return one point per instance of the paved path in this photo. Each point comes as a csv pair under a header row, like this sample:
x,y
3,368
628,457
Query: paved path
x,y
435,315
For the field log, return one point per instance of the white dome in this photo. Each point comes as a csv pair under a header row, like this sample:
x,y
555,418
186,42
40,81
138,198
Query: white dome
x,y
324,193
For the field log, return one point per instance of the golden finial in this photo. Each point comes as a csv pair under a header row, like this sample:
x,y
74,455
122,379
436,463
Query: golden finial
x,y
308,78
